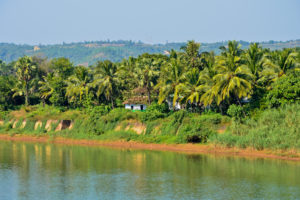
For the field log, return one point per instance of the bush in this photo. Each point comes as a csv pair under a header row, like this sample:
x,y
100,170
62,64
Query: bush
x,y
211,118
193,133
162,108
98,110
285,90
154,111
119,114
236,112
151,115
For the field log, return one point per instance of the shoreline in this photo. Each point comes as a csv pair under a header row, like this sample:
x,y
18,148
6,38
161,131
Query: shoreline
x,y
179,148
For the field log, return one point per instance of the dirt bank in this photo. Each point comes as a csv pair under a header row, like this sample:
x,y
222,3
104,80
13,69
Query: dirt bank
x,y
184,148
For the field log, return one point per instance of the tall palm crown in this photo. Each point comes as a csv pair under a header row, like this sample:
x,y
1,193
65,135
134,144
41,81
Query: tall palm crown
x,y
127,73
106,80
78,84
254,59
192,54
25,71
192,88
147,74
46,89
172,74
278,62
233,79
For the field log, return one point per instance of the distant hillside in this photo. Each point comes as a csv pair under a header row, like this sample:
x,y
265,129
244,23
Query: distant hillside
x,y
89,52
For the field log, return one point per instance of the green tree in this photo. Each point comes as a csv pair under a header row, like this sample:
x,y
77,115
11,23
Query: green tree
x,y
46,88
192,88
285,90
233,79
279,62
172,75
192,53
7,83
254,59
25,72
78,85
62,67
147,73
106,80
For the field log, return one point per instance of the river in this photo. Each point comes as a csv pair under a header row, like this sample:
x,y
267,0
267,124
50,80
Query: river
x,y
51,171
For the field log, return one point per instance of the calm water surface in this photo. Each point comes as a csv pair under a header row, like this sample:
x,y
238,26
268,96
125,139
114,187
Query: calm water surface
x,y
46,171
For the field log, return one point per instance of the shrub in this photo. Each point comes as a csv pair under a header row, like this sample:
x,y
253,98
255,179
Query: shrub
x,y
98,110
197,129
236,112
119,114
285,90
151,115
154,111
162,108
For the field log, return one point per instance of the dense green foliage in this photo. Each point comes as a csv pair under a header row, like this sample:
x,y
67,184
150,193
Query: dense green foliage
x,y
188,93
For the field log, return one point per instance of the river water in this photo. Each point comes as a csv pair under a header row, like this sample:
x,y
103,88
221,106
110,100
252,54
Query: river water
x,y
49,171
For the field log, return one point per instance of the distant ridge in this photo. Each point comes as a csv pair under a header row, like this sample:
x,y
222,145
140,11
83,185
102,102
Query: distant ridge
x,y
90,52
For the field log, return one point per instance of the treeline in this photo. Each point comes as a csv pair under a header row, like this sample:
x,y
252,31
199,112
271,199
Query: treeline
x,y
90,52
254,78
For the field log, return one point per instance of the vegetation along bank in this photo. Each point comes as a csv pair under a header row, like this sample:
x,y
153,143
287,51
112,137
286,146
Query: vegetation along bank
x,y
243,98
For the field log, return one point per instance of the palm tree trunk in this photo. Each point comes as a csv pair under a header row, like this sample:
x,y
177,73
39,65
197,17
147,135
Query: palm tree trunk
x,y
149,95
112,103
220,106
26,95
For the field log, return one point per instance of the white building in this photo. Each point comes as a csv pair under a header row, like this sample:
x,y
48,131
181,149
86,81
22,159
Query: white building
x,y
136,103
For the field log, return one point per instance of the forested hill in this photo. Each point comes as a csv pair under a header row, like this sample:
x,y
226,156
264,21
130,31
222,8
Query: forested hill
x,y
87,53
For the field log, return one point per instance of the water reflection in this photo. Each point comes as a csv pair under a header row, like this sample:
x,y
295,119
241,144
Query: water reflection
x,y
46,171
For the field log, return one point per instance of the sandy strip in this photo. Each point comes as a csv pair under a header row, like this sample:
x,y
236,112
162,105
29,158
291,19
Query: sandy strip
x,y
184,148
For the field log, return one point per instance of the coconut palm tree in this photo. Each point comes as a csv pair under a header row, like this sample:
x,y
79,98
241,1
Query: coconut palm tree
x,y
192,53
25,72
279,62
172,75
126,73
78,84
106,80
233,79
46,89
254,59
193,87
147,74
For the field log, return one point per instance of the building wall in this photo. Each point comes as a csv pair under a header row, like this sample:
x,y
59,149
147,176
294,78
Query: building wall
x,y
135,106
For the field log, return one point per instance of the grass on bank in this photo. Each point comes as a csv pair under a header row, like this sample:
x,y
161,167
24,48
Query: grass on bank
x,y
272,129
276,129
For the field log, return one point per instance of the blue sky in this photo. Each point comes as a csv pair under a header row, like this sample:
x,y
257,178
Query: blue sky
x,y
152,21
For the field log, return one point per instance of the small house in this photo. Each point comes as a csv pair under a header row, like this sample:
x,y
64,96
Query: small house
x,y
137,100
